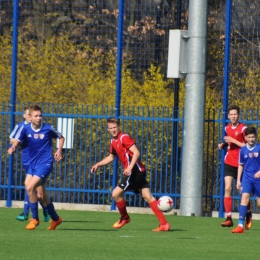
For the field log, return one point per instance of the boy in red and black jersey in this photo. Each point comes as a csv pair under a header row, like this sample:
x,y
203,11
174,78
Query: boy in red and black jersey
x,y
123,146
234,140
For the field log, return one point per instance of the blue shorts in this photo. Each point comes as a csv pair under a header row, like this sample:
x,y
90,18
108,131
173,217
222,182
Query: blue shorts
x,y
27,169
42,171
251,187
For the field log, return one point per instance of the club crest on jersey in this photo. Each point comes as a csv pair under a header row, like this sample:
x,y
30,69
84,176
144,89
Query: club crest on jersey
x,y
236,133
36,136
250,155
256,154
41,136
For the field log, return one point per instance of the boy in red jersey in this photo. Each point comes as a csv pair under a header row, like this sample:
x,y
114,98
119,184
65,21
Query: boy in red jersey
x,y
123,146
234,140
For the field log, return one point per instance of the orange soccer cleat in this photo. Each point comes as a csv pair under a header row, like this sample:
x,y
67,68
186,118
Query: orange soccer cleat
x,y
238,229
165,227
227,223
121,222
248,223
32,224
54,224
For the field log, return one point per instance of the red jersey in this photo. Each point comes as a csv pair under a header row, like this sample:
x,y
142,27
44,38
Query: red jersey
x,y
120,147
232,155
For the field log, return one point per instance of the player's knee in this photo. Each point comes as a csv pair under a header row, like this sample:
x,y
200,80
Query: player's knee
x,y
228,190
148,198
29,189
40,196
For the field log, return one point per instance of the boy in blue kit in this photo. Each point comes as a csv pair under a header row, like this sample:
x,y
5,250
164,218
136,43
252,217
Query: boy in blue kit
x,y
25,161
39,138
248,176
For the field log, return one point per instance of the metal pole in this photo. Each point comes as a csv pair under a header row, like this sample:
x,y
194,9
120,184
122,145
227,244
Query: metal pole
x,y
192,155
158,26
225,98
13,95
120,45
175,166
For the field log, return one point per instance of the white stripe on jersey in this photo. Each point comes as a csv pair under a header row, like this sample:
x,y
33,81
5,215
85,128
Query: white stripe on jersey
x,y
19,133
53,129
122,137
13,132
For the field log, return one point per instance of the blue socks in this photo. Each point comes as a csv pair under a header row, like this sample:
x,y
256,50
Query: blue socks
x,y
52,212
26,205
242,215
34,209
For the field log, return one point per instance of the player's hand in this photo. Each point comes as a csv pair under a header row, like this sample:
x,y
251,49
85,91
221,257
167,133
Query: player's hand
x,y
229,139
127,171
57,156
220,146
257,175
94,168
11,150
238,185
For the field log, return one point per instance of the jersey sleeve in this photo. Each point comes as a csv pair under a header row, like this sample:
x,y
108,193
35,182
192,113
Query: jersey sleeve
x,y
127,141
14,132
244,132
111,149
20,135
241,157
55,133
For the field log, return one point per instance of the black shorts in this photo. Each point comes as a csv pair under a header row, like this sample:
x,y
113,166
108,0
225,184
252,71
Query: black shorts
x,y
230,171
134,182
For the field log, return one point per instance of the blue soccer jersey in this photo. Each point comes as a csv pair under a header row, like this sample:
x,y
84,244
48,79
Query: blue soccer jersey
x,y
250,159
24,144
39,143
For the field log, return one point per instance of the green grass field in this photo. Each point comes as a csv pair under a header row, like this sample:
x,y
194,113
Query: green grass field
x,y
89,235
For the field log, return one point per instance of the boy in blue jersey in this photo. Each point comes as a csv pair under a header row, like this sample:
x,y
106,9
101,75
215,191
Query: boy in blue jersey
x,y
248,176
25,161
39,138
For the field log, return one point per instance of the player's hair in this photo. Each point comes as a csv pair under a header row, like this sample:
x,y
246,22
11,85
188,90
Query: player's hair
x,y
34,108
234,107
113,120
250,130
26,108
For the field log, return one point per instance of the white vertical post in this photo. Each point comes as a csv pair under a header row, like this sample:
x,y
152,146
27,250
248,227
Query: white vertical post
x,y
66,127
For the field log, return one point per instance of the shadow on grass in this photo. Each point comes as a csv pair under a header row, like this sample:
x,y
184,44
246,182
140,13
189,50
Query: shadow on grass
x,y
86,229
176,230
79,221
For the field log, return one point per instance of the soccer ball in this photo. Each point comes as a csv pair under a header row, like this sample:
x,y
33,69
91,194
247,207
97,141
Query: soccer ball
x,y
165,203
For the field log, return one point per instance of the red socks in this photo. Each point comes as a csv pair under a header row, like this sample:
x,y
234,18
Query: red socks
x,y
157,212
121,205
228,205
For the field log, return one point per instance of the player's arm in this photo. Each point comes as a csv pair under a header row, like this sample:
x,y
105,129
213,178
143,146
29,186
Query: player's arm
x,y
230,139
135,157
110,158
12,140
239,175
58,153
13,147
222,145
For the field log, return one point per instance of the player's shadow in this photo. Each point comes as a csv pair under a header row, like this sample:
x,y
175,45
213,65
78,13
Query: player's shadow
x,y
79,221
177,230
86,229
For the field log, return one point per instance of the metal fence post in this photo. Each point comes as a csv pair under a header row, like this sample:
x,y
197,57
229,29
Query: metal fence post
x,y
120,45
13,94
225,97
